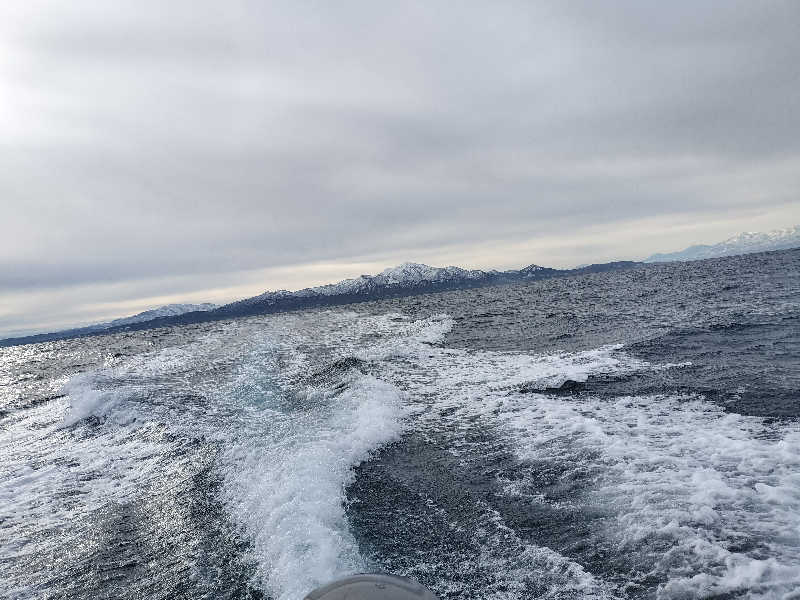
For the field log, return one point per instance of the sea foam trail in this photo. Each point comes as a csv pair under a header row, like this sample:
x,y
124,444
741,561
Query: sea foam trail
x,y
287,489
707,502
145,429
696,502
290,443
479,556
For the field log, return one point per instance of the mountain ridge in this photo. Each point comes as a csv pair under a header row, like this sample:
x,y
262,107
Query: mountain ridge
x,y
168,310
743,243
407,279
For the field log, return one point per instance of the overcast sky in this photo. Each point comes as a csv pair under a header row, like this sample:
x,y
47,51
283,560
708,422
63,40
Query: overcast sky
x,y
154,152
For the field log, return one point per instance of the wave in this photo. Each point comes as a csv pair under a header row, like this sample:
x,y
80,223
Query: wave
x,y
286,443
540,488
287,486
702,501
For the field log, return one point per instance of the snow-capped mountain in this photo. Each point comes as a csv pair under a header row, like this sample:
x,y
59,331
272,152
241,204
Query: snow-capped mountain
x,y
168,310
408,279
145,319
744,243
403,279
407,274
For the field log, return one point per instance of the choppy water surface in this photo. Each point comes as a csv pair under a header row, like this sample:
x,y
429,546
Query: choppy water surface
x,y
621,435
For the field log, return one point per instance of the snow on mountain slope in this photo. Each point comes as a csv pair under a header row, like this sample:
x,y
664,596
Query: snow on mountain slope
x,y
168,310
407,274
744,243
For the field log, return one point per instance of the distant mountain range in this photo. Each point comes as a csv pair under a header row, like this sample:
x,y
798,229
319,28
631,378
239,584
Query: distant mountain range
x,y
168,310
744,243
408,279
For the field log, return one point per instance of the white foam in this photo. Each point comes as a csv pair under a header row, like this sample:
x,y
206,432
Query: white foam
x,y
675,468
407,353
288,488
682,470
672,468
85,400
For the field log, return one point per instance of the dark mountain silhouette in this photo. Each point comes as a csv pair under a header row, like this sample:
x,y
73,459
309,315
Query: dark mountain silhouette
x,y
408,279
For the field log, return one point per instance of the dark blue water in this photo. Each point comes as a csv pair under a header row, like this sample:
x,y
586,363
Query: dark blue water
x,y
621,435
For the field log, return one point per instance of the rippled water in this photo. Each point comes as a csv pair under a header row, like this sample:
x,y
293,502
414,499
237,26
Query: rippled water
x,y
621,435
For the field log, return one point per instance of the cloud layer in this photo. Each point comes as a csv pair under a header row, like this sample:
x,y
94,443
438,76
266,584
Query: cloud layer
x,y
212,148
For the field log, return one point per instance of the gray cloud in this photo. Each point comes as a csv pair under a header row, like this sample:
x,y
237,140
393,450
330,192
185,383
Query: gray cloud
x,y
145,141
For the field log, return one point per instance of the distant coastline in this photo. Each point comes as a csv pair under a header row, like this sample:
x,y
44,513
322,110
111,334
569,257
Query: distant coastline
x,y
408,279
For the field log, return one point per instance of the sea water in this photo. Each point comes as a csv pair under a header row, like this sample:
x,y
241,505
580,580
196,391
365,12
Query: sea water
x,y
632,434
